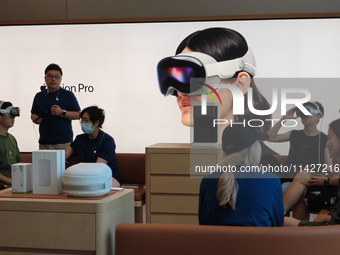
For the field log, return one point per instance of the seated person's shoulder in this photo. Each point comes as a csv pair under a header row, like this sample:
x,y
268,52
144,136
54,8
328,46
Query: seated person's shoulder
x,y
260,179
106,137
211,178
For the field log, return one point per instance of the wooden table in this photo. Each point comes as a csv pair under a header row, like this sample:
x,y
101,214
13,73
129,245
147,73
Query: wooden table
x,y
62,225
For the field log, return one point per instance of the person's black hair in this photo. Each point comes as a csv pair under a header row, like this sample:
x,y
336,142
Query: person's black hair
x,y
95,114
54,67
5,105
225,44
218,42
335,127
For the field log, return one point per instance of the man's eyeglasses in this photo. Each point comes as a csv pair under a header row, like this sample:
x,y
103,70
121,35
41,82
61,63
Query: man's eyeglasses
x,y
50,76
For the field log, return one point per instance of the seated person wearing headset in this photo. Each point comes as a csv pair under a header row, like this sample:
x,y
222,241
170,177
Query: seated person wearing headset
x,y
95,145
307,147
238,198
9,151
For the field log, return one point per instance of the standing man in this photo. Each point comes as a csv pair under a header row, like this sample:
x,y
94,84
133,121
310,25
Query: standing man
x,y
53,109
9,151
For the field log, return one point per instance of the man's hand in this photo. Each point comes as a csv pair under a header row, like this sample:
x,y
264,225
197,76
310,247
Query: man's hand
x,y
325,218
317,181
5,179
290,113
35,118
56,110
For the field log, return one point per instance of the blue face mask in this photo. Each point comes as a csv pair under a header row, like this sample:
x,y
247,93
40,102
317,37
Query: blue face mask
x,y
87,128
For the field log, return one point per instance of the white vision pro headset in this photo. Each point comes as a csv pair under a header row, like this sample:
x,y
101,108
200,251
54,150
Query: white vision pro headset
x,y
175,73
10,111
312,111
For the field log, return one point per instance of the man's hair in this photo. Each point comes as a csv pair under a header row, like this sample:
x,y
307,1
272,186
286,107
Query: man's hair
x,y
53,67
95,114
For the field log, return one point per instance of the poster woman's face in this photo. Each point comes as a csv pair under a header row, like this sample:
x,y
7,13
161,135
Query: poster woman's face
x,y
184,103
226,109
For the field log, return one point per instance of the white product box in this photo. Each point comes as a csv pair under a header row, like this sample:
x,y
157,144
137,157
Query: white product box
x,y
48,170
21,178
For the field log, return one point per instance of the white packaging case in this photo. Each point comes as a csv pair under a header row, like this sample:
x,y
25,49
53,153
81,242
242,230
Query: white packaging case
x,y
48,170
21,177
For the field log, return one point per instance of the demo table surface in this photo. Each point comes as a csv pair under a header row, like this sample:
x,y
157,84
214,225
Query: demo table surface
x,y
62,225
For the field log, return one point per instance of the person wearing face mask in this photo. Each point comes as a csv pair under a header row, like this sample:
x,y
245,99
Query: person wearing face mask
x,y
95,145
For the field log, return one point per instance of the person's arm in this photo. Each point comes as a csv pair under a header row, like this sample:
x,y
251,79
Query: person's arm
x,y
35,112
321,181
296,190
273,132
106,151
275,137
334,181
316,181
71,115
115,183
323,216
68,152
5,179
34,118
291,222
333,178
101,160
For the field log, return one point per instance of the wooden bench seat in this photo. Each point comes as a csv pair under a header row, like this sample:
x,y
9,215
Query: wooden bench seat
x,y
169,239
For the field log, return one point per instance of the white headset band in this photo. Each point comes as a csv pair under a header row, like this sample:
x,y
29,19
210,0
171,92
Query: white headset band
x,y
225,69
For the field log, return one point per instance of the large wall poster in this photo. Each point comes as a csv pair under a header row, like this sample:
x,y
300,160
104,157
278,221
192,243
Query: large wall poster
x,y
114,66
